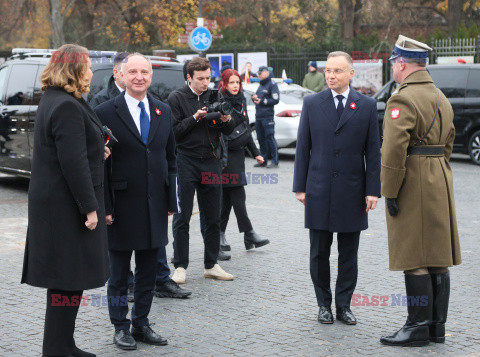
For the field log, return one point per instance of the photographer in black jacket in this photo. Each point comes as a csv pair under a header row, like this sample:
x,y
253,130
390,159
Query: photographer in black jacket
x,y
197,135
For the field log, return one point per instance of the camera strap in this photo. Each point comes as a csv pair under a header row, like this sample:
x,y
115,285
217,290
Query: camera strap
x,y
210,141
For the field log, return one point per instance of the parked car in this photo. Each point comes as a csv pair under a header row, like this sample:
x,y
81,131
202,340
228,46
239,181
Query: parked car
x,y
461,85
287,111
20,93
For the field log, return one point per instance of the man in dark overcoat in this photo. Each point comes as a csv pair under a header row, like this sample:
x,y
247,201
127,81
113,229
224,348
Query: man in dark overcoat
x,y
137,213
337,178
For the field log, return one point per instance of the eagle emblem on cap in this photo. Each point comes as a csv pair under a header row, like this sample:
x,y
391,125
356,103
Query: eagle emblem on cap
x,y
395,113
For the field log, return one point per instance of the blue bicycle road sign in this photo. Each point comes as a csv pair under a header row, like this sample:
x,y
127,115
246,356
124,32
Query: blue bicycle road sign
x,y
200,39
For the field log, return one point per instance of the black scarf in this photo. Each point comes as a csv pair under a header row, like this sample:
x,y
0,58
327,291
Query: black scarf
x,y
235,100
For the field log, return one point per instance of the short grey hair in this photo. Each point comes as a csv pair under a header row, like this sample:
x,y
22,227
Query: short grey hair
x,y
122,68
341,54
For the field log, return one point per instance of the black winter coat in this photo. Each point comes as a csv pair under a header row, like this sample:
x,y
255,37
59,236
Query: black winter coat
x,y
66,184
107,93
235,144
337,162
193,138
139,176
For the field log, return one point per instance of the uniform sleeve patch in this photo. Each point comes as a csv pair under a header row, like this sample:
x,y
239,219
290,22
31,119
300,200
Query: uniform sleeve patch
x,y
395,113
275,96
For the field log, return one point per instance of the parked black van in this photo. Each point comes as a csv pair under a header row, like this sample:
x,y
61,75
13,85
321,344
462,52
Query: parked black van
x,y
20,93
461,85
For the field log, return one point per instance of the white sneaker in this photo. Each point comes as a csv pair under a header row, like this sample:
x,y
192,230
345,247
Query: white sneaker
x,y
179,276
217,273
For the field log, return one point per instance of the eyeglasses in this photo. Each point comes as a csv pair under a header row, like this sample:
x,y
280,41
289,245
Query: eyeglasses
x,y
336,71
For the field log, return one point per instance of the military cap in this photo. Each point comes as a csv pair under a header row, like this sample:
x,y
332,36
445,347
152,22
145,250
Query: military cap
x,y
262,68
409,48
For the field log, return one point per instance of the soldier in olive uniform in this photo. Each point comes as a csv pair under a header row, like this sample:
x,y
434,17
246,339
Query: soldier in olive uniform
x,y
418,186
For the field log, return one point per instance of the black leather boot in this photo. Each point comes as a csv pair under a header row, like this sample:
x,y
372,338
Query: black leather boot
x,y
441,295
415,332
252,239
223,255
223,243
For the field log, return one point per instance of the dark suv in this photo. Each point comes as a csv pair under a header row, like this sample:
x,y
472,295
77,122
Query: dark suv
x,y
461,85
20,93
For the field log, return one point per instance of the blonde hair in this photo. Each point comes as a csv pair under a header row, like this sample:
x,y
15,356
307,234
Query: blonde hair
x,y
66,69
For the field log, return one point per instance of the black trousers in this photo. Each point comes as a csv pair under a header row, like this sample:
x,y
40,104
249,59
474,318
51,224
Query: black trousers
x,y
209,199
235,197
320,244
117,290
62,309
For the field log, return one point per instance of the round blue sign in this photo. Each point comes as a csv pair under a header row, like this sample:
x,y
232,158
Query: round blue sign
x,y
200,39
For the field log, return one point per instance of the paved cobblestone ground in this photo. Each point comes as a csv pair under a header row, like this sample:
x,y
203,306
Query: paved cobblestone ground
x,y
270,308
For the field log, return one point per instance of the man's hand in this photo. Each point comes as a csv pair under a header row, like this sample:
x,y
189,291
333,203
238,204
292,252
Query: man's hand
x,y
255,99
371,202
200,113
225,118
300,196
259,159
109,219
107,153
92,220
392,206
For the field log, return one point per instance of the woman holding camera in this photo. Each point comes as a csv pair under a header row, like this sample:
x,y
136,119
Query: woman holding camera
x,y
66,246
233,194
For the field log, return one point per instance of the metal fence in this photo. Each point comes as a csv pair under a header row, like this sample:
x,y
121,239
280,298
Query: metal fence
x,y
293,60
456,47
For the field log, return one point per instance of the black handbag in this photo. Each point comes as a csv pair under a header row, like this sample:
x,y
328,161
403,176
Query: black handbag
x,y
240,136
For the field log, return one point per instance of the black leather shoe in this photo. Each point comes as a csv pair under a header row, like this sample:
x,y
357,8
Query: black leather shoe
x,y
252,239
124,340
130,296
223,243
345,315
77,352
325,315
223,255
260,165
171,289
147,335
272,166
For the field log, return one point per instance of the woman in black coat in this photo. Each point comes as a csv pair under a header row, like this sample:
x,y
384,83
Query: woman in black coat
x,y
66,246
233,175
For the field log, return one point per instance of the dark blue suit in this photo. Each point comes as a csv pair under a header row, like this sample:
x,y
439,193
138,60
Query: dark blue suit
x,y
337,164
138,180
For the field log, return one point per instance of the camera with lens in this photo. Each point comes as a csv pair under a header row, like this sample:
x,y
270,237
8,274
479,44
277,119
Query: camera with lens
x,y
218,105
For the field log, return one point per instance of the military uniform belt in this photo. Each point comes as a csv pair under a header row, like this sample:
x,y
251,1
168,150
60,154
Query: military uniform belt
x,y
426,150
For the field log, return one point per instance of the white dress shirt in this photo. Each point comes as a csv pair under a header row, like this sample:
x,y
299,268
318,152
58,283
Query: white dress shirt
x,y
135,110
345,96
120,89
